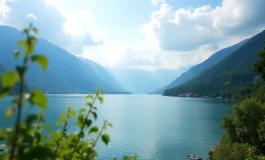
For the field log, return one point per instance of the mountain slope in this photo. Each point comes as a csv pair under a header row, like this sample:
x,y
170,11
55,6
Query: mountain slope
x,y
166,76
65,74
104,75
234,70
197,69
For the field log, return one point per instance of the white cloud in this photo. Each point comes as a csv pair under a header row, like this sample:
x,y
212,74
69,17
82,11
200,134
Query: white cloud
x,y
32,16
3,8
183,29
54,25
239,17
80,23
106,54
189,29
121,54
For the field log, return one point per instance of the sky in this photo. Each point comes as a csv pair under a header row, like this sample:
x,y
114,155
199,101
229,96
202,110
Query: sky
x,y
144,34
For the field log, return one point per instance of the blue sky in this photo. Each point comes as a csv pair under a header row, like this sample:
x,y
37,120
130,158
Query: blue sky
x,y
145,34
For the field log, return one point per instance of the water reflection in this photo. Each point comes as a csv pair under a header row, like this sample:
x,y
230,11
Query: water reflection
x,y
154,127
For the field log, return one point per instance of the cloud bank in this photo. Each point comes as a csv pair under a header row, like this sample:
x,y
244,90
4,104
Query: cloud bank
x,y
188,29
53,25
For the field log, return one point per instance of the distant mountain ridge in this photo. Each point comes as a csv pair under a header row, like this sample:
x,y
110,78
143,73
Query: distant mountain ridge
x,y
234,70
65,74
141,81
198,69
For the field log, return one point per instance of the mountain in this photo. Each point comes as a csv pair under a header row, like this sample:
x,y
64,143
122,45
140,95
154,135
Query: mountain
x,y
141,81
234,70
210,62
103,74
197,69
65,74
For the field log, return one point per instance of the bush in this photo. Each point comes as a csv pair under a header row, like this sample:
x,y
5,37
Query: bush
x,y
244,132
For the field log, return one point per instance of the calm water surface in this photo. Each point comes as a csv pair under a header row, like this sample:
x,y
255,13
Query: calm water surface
x,y
153,126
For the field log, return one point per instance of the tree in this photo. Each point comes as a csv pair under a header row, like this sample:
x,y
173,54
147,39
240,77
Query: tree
x,y
259,66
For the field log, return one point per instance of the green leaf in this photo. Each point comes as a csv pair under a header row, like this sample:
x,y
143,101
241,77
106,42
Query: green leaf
x,y
89,97
72,113
82,110
33,39
42,60
4,92
25,31
105,138
62,116
93,129
16,54
30,119
89,104
81,134
88,122
47,127
38,137
80,120
29,47
100,99
9,79
59,122
21,43
95,115
10,111
109,124
35,30
41,152
38,97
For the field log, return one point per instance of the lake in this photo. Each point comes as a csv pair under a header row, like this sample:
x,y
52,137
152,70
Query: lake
x,y
153,126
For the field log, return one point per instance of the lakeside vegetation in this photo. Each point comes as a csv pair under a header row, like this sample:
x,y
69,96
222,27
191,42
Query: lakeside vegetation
x,y
26,140
245,128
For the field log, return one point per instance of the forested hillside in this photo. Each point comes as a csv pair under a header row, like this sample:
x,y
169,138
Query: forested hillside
x,y
234,70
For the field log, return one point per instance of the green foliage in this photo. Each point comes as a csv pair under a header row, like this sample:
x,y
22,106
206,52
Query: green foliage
x,y
259,65
245,128
244,131
231,151
38,98
105,139
134,157
42,60
25,141
9,79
